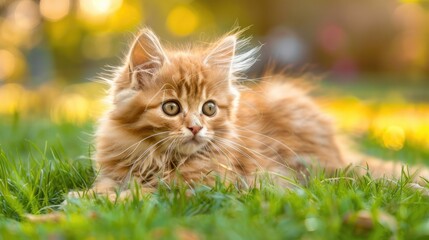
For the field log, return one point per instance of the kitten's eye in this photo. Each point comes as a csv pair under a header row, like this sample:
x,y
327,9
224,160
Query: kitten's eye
x,y
171,108
209,108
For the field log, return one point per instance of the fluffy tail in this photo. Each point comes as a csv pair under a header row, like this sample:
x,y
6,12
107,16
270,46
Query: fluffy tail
x,y
391,169
378,168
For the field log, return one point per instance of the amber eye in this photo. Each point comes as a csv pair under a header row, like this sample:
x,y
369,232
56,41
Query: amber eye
x,y
171,108
209,108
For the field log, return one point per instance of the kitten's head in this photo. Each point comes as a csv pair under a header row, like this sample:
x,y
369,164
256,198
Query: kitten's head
x,y
183,99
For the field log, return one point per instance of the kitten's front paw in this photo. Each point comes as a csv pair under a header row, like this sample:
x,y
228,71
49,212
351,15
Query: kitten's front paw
x,y
130,194
71,195
420,188
46,218
75,194
120,197
113,196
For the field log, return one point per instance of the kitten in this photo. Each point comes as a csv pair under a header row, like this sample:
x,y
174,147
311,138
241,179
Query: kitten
x,y
183,115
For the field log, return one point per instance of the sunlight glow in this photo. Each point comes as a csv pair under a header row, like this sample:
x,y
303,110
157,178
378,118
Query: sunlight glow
x,y
96,8
54,10
182,21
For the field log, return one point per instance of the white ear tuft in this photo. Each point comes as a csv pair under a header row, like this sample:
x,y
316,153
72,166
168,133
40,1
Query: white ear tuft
x,y
223,54
233,54
245,57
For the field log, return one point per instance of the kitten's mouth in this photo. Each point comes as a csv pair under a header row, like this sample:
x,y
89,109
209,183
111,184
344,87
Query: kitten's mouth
x,y
193,141
191,145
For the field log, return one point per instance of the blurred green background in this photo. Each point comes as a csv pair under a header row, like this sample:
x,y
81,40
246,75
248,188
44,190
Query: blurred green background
x,y
373,55
69,40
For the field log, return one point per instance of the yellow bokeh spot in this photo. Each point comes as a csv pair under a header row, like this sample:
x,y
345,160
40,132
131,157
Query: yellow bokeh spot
x,y
12,96
182,21
72,108
8,64
393,137
54,10
127,17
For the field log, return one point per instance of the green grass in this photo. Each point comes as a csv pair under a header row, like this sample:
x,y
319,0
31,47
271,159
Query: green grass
x,y
41,161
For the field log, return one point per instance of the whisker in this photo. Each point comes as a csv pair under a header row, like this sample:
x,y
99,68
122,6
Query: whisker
x,y
229,167
228,144
255,152
219,148
271,138
260,142
146,165
138,144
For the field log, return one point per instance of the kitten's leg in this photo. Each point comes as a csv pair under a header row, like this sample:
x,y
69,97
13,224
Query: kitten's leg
x,y
392,169
45,218
129,194
103,186
108,187
378,168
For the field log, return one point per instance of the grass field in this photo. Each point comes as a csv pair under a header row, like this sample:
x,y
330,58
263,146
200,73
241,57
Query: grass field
x,y
42,159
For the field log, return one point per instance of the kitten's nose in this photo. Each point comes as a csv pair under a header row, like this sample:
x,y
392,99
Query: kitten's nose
x,y
195,129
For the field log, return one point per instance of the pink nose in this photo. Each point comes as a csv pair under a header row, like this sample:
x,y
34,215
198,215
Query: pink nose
x,y
195,129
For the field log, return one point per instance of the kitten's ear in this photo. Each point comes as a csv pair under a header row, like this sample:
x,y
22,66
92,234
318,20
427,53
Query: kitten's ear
x,y
222,55
146,57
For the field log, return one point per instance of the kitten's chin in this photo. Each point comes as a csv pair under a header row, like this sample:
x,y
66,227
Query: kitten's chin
x,y
190,147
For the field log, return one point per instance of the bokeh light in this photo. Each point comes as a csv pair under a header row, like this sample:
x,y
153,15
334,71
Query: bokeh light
x,y
8,64
97,8
393,137
24,14
12,65
391,124
72,108
12,99
182,21
54,10
410,1
128,16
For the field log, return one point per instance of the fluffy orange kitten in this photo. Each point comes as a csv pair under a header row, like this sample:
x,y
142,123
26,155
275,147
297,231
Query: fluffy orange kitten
x,y
182,114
